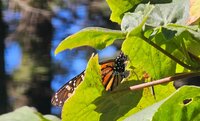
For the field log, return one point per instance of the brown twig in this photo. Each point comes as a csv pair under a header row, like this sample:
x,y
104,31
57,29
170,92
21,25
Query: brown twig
x,y
164,80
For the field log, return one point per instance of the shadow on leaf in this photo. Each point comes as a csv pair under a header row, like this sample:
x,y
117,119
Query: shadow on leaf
x,y
113,105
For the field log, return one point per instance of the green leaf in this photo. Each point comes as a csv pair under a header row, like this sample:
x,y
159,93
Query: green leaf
x,y
96,37
120,7
174,12
137,19
191,35
81,105
147,58
25,114
172,108
145,114
184,105
116,106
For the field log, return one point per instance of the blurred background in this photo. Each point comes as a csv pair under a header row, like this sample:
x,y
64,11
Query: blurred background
x,y
30,30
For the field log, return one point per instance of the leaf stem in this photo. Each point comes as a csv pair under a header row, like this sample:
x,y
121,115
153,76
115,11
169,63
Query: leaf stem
x,y
167,54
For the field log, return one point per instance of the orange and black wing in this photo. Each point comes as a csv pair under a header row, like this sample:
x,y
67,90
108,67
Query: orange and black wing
x,y
110,78
107,73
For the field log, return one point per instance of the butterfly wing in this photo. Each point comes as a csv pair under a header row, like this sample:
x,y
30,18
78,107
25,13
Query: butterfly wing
x,y
107,71
110,79
111,73
66,90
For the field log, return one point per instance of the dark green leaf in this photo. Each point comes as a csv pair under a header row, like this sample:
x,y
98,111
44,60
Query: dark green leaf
x,y
178,40
191,36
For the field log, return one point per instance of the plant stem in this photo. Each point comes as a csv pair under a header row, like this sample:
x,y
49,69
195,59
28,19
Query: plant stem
x,y
164,80
167,54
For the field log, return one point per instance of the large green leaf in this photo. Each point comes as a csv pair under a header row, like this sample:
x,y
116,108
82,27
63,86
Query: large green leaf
x,y
96,37
27,114
80,106
119,7
184,105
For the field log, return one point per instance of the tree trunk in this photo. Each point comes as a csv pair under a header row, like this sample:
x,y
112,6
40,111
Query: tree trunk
x,y
3,91
34,76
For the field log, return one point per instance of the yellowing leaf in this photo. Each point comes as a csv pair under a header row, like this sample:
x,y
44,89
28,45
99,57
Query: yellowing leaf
x,y
194,12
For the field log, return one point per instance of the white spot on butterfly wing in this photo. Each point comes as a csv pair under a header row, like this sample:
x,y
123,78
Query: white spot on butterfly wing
x,y
82,77
74,83
56,95
70,82
68,88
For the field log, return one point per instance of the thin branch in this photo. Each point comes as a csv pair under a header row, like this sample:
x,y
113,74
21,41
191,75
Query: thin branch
x,y
26,7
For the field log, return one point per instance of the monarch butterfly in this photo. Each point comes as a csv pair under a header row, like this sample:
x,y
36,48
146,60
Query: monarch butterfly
x,y
112,72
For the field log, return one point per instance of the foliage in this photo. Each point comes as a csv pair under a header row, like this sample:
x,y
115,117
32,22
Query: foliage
x,y
157,41
26,114
183,105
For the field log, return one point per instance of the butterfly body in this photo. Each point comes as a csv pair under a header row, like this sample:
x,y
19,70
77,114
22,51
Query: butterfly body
x,y
112,73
